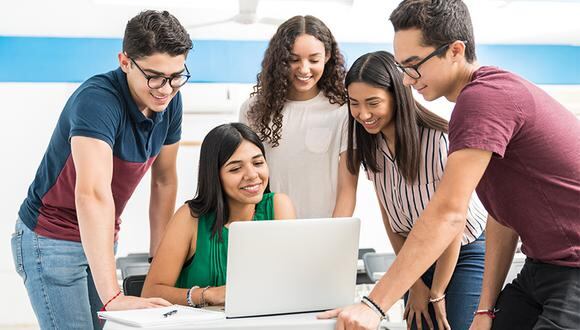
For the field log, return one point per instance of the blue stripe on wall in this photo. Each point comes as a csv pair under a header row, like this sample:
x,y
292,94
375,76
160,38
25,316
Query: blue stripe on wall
x,y
40,59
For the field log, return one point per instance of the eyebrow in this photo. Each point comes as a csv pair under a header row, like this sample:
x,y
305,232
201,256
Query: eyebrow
x,y
158,73
235,162
410,59
372,98
311,55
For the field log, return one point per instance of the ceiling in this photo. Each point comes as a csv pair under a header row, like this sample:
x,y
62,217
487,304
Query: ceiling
x,y
495,21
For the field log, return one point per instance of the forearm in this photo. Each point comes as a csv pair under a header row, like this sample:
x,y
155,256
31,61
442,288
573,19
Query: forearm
x,y
345,204
417,254
168,292
96,218
445,267
500,246
161,209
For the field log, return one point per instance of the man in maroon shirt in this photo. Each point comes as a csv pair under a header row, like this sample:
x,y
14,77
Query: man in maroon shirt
x,y
520,148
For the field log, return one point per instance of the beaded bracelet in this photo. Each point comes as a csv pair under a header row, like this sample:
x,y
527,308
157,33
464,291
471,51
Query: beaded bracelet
x,y
188,296
374,307
436,300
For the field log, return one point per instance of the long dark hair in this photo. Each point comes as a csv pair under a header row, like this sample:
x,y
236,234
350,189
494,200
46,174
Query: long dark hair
x,y
378,70
217,147
271,89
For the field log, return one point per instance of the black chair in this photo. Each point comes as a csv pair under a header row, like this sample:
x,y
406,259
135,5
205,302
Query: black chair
x,y
133,285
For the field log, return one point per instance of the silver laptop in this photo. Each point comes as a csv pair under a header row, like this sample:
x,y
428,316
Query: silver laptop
x,y
291,266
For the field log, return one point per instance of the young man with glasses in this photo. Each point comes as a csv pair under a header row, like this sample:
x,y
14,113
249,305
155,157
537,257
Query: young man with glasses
x,y
514,144
113,128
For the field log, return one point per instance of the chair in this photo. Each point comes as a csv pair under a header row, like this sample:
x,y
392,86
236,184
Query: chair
x,y
361,275
376,264
133,285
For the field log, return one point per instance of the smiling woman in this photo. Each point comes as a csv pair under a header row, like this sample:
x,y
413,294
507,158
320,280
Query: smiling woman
x,y
190,265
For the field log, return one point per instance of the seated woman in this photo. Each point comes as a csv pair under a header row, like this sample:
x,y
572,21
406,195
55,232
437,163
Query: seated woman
x,y
189,267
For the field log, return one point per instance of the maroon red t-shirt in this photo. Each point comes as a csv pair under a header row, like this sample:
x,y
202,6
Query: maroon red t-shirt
x,y
532,183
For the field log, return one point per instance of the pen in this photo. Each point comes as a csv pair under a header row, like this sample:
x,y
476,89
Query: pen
x,y
171,312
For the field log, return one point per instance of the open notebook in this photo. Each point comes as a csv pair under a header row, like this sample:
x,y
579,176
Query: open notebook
x,y
172,315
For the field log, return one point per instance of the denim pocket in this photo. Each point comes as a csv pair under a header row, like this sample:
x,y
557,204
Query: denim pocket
x,y
16,243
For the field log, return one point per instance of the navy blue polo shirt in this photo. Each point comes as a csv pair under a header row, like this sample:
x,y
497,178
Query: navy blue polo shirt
x,y
101,108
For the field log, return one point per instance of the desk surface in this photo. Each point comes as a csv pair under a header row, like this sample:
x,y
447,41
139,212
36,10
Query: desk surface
x,y
284,322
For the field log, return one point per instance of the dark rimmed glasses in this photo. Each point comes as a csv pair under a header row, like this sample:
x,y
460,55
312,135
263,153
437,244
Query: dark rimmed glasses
x,y
413,70
156,81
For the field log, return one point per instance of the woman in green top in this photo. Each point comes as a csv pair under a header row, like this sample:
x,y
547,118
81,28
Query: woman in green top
x,y
190,265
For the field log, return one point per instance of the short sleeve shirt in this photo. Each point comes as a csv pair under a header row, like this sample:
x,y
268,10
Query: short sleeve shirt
x,y
532,183
305,163
101,108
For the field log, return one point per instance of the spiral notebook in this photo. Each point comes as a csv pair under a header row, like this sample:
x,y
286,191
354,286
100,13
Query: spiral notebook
x,y
163,316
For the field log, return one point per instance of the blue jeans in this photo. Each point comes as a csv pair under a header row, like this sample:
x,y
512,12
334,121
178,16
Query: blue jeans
x,y
58,280
462,294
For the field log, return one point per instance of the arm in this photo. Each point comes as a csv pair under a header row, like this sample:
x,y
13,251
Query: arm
x,y
177,246
93,160
163,191
443,219
445,267
346,190
283,207
500,246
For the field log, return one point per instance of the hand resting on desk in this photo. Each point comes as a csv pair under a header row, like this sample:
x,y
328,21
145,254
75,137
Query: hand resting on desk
x,y
353,317
123,302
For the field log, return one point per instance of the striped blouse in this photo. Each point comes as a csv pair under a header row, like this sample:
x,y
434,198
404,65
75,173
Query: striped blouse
x,y
404,202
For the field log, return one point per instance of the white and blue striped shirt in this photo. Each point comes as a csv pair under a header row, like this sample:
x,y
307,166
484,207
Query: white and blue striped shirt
x,y
404,202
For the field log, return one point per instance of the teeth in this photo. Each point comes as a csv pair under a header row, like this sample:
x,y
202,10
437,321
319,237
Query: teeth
x,y
370,122
254,187
303,78
159,97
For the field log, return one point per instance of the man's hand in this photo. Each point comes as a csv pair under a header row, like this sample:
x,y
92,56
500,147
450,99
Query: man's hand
x,y
353,317
123,302
481,322
418,306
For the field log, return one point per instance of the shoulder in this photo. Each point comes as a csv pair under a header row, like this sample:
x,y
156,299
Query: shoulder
x,y
280,198
183,215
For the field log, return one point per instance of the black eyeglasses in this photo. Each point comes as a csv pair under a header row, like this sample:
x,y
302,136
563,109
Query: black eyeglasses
x,y
413,70
156,82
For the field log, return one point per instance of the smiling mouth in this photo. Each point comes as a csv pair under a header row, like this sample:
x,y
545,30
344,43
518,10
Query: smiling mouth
x,y
252,188
303,78
159,97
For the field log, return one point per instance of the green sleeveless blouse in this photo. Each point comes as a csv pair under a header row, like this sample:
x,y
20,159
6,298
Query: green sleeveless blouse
x,y
207,267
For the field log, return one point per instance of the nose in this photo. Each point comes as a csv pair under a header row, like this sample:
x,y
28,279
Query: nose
x,y
364,114
251,174
166,89
304,67
408,81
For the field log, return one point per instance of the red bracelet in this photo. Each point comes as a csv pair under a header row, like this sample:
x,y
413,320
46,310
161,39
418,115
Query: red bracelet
x,y
489,312
107,303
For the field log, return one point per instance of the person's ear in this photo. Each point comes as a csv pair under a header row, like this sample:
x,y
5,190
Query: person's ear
x,y
457,50
124,61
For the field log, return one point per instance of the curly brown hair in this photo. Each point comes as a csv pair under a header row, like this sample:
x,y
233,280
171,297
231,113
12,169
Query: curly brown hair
x,y
271,89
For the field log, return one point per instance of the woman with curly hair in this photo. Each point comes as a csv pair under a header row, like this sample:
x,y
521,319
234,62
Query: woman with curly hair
x,y
298,110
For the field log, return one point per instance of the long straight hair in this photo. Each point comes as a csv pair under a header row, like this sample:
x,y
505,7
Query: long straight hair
x,y
378,70
217,147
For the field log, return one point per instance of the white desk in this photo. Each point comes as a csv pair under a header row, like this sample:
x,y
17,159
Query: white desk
x,y
283,322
